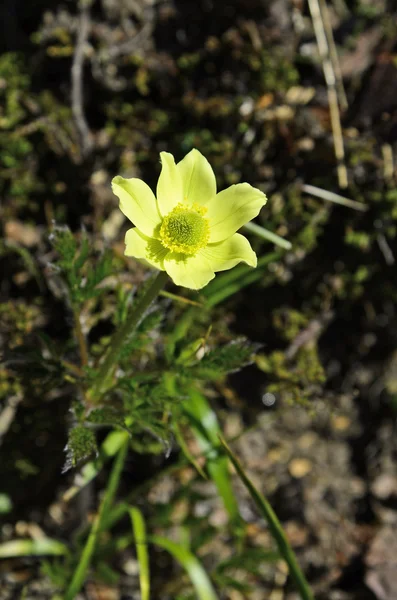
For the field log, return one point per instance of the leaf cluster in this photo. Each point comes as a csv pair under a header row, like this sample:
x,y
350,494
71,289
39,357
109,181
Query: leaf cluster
x,y
82,272
229,358
158,366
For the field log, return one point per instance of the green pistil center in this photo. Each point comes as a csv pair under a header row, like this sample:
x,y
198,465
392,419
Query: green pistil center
x,y
185,229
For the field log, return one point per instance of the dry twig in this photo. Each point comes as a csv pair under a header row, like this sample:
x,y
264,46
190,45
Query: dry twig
x,y
77,79
332,197
330,80
333,54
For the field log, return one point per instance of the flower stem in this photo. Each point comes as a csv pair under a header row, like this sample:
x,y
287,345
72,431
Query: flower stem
x,y
80,337
122,335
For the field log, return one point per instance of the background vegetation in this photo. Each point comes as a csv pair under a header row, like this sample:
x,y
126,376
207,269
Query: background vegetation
x,y
93,89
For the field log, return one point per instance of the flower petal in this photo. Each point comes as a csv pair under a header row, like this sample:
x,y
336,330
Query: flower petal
x,y
199,184
140,246
227,254
232,208
138,203
169,185
193,272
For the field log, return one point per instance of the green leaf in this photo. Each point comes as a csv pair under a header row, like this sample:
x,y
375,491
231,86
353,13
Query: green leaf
x,y
232,582
81,444
84,251
39,547
5,504
267,235
103,268
274,526
106,416
192,566
110,446
151,320
140,339
98,524
138,525
188,352
225,359
63,241
249,560
229,283
205,426
185,449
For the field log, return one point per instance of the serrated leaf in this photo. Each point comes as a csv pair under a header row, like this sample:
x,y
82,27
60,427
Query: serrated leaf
x,y
105,416
65,244
95,276
151,320
82,256
139,340
226,359
189,351
81,444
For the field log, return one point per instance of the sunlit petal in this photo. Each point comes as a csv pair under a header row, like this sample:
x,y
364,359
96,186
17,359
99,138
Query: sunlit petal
x,y
169,186
199,184
145,248
232,208
138,203
227,254
193,272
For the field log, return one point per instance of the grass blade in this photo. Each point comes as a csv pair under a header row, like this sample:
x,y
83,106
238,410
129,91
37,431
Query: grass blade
x,y
267,235
85,559
138,525
39,547
185,449
192,566
332,197
205,426
231,282
275,528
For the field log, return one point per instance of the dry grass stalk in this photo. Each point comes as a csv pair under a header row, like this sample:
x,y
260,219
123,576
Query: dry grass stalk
x,y
330,79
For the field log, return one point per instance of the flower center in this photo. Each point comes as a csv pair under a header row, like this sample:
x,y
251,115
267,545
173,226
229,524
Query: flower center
x,y
185,229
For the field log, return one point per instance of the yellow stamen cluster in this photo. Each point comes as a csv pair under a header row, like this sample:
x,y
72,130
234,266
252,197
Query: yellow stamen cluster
x,y
185,229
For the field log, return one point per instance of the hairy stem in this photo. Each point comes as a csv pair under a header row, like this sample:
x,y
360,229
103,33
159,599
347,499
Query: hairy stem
x,y
122,335
80,337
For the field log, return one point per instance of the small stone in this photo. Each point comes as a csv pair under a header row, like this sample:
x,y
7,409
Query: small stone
x,y
340,422
300,467
26,235
384,486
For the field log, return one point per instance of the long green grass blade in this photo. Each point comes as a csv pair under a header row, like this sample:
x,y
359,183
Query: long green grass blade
x,y
267,235
39,547
138,525
332,197
205,426
228,283
86,556
197,575
275,527
184,447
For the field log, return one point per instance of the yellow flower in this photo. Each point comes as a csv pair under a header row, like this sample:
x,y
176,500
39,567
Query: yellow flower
x,y
189,231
